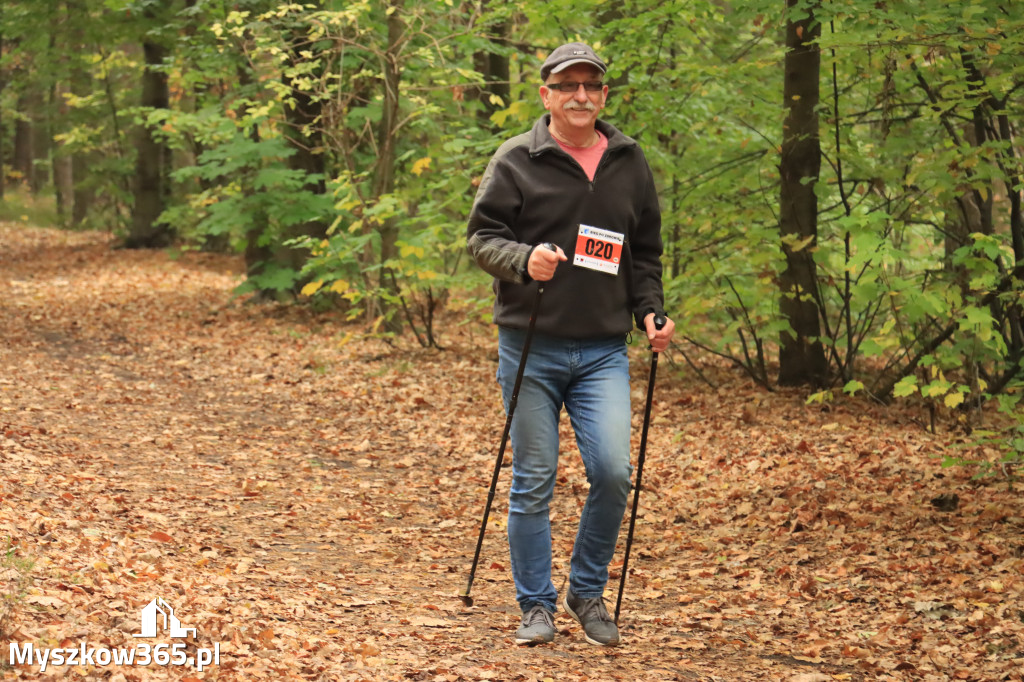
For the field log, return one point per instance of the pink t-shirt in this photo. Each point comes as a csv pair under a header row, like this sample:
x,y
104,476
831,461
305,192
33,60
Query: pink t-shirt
x,y
587,157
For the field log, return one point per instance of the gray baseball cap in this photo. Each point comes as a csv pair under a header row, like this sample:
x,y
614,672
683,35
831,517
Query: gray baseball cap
x,y
566,55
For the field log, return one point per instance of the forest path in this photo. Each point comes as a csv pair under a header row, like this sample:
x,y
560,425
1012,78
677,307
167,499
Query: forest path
x,y
310,502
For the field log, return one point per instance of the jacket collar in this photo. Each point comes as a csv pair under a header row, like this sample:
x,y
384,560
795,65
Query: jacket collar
x,y
541,139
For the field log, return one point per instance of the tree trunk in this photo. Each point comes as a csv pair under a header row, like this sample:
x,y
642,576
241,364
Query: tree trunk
x,y
1013,192
384,176
989,126
303,116
258,251
82,194
801,354
305,137
41,141
3,84
494,67
152,184
63,173
24,138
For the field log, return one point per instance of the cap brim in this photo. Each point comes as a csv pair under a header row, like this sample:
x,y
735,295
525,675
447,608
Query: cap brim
x,y
565,65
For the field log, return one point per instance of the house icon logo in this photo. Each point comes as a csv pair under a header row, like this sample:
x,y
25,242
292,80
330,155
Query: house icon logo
x,y
151,615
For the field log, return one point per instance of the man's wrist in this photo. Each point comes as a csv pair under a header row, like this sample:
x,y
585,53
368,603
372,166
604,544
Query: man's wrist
x,y
524,270
642,319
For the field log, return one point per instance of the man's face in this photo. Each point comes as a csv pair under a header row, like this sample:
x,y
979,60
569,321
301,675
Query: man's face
x,y
576,110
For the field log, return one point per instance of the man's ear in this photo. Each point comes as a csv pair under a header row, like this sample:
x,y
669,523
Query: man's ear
x,y
545,92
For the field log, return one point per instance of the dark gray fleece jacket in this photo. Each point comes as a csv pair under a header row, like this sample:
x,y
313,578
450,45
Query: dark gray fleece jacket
x,y
533,192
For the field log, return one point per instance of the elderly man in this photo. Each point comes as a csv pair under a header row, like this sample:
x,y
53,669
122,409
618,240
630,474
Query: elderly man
x,y
579,184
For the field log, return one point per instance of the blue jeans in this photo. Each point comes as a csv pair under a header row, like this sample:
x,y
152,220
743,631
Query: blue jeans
x,y
590,377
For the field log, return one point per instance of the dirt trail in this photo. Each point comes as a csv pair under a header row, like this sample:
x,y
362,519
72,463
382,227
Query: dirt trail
x,y
310,504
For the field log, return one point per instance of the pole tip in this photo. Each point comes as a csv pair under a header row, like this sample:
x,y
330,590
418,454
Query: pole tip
x,y
466,599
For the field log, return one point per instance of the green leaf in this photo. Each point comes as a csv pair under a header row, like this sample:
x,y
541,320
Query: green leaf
x,y
905,387
853,386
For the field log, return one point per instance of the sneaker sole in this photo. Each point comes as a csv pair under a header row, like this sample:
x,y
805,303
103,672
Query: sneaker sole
x,y
536,640
565,605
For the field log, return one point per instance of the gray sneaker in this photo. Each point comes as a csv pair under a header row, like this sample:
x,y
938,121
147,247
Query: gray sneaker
x,y
598,626
538,627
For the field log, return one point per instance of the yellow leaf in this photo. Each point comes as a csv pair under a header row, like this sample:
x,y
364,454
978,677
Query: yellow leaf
x,y
497,101
312,288
953,399
339,287
801,244
420,165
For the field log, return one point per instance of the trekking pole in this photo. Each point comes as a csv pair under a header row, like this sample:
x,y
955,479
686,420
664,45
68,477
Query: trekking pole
x,y
659,322
465,596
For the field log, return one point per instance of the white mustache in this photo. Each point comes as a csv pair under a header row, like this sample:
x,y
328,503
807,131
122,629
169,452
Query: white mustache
x,y
573,105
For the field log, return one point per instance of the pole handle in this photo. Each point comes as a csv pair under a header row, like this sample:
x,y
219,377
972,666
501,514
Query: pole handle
x,y
659,323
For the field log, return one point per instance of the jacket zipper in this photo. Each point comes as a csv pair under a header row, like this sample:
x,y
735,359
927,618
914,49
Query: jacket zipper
x,y
600,165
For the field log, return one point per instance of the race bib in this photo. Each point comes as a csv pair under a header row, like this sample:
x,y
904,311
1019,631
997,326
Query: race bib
x,y
598,249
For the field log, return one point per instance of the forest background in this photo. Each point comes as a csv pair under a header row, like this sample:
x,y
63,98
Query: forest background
x,y
840,181
841,191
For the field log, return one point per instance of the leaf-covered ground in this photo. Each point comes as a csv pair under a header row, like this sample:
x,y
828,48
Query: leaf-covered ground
x,y
309,500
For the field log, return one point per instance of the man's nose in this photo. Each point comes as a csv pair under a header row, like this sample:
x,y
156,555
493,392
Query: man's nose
x,y
581,93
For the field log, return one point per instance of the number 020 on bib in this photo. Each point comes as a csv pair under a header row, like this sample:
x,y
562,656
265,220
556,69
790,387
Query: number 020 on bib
x,y
598,249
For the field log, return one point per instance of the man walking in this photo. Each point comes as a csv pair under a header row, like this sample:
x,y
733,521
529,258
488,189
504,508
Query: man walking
x,y
579,184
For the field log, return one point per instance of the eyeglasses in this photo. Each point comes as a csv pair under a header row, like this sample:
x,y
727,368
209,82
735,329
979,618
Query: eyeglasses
x,y
573,86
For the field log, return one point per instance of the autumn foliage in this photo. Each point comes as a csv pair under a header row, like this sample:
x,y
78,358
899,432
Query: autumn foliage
x,y
308,497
